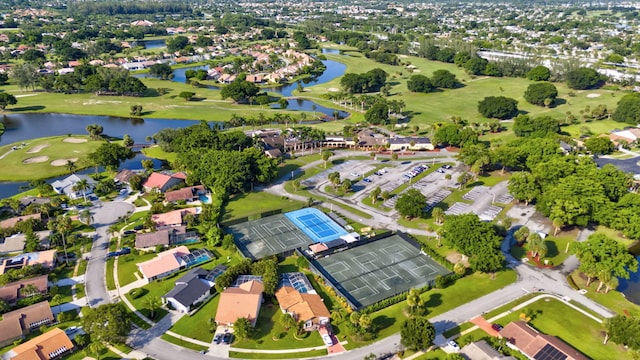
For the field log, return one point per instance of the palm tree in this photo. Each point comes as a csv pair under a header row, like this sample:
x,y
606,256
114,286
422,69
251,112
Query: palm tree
x,y
287,321
63,226
438,215
96,348
152,303
82,185
536,245
85,217
71,166
57,300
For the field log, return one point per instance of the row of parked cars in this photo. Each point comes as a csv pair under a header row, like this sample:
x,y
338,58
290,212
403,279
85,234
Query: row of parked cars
x,y
226,338
123,251
416,171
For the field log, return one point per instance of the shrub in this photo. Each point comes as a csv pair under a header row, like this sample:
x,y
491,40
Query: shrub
x,y
137,293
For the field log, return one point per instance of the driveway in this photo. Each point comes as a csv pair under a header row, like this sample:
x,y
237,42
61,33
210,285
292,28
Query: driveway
x,y
627,165
104,214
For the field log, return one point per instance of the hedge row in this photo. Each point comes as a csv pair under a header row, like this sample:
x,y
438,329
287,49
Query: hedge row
x,y
391,301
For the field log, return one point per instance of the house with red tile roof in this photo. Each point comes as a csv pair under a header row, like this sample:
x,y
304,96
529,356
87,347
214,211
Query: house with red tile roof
x,y
165,264
18,323
188,194
243,301
305,307
173,218
53,344
536,345
162,182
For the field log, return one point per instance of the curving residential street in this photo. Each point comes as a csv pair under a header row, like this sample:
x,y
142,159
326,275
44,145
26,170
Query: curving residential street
x,y
104,214
148,342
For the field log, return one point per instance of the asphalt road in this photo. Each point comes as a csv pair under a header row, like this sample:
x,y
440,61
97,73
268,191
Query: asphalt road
x,y
104,214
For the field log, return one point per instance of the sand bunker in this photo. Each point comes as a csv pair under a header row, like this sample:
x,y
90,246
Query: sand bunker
x,y
62,162
593,95
74,140
37,159
36,149
333,89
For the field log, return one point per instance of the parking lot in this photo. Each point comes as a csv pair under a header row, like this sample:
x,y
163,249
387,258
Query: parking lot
x,y
350,169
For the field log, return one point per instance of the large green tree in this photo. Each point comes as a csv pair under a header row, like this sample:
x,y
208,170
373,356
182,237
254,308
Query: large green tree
x,y
542,126
498,107
523,187
444,79
476,239
599,145
417,333
605,257
628,109
240,90
624,330
108,323
539,73
420,83
6,100
411,204
583,78
538,93
111,155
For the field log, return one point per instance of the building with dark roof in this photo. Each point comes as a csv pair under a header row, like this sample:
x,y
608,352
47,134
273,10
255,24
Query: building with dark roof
x,y
10,293
538,346
191,289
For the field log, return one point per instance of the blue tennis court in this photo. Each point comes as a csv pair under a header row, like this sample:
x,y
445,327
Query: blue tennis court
x,y
316,225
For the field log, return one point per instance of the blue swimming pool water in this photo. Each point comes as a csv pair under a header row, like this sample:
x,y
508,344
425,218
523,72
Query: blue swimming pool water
x,y
204,199
316,225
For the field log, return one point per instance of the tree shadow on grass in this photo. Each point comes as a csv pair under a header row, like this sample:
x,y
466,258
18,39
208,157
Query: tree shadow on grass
x,y
27,108
552,249
434,301
382,322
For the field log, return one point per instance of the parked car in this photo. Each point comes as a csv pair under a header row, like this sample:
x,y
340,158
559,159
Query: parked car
x,y
217,339
453,345
124,251
383,171
129,232
112,254
440,171
327,339
355,174
227,338
71,330
447,167
496,327
367,180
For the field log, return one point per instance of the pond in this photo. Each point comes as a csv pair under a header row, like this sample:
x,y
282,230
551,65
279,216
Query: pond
x,y
334,69
22,127
631,288
152,44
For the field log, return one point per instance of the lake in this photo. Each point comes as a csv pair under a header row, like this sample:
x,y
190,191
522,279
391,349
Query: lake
x,y
334,69
631,288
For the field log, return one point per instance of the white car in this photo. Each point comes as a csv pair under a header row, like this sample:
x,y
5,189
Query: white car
x,y
327,340
453,345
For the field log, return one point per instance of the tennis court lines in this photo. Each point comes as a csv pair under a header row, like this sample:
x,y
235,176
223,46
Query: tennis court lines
x,y
268,236
316,225
371,273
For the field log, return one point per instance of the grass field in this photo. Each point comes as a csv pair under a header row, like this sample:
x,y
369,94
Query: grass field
x,y
253,203
34,161
128,266
197,325
301,355
182,343
613,300
441,106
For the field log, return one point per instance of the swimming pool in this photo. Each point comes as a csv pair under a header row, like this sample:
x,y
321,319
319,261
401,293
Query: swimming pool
x,y
316,225
204,199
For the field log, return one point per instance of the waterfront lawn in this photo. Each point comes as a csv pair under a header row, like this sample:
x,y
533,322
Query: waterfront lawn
x,y
553,317
254,203
33,161
440,106
614,300
157,153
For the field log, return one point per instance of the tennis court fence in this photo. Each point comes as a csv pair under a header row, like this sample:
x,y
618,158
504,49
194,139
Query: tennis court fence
x,y
261,215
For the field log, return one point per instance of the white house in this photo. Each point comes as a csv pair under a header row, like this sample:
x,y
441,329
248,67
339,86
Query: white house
x,y
66,186
192,289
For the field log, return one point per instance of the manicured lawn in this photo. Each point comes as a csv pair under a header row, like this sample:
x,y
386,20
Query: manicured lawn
x,y
268,327
180,342
111,284
128,266
440,106
155,289
614,300
301,355
614,234
197,325
553,317
157,153
438,301
82,267
65,291
556,246
34,161
254,203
